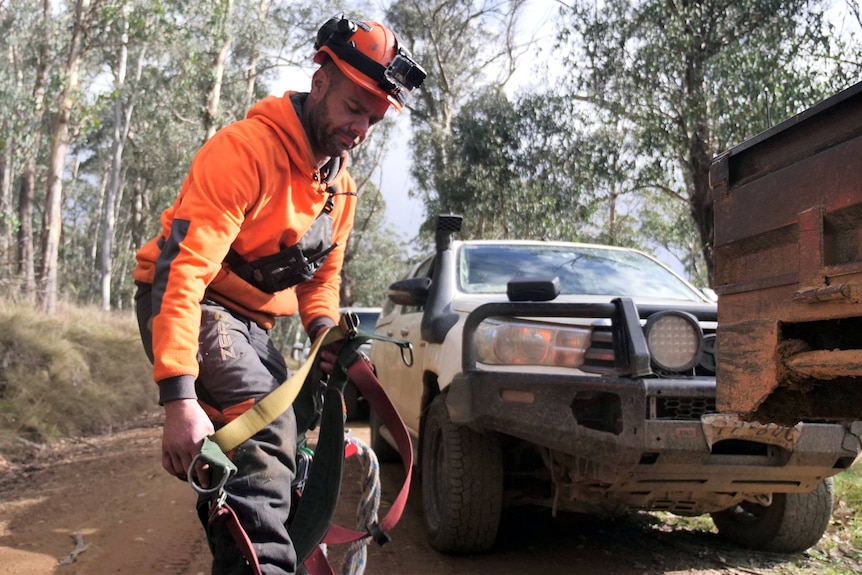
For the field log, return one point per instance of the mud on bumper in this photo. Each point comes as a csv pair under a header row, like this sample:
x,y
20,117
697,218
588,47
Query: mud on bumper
x,y
647,435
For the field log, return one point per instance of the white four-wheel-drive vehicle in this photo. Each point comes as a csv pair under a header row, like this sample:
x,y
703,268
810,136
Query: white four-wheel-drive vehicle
x,y
582,378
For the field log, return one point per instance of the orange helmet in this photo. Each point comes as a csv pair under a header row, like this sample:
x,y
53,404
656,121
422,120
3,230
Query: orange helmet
x,y
369,54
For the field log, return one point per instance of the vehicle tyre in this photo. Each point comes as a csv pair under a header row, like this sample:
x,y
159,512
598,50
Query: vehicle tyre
x,y
793,523
382,448
356,405
462,483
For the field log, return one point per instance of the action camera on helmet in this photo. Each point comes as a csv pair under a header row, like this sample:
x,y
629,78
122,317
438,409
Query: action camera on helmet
x,y
369,54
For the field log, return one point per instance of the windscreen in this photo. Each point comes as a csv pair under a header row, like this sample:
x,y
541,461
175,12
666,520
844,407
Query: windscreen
x,y
582,270
367,319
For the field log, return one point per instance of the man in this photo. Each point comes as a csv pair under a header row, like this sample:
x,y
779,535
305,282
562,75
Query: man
x,y
259,231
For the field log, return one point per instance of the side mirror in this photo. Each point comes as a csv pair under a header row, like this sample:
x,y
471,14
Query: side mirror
x,y
409,292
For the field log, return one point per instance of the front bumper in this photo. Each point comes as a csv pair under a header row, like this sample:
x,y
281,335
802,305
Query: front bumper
x,y
607,431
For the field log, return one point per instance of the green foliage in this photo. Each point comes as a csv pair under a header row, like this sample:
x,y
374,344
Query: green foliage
x,y
499,175
467,48
688,80
173,43
848,502
648,92
378,257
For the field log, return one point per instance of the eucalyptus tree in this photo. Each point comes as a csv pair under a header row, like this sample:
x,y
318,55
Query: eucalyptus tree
x,y
24,36
688,79
585,160
570,160
124,90
375,254
121,119
61,117
62,75
465,46
186,84
203,61
539,166
31,36
852,37
496,176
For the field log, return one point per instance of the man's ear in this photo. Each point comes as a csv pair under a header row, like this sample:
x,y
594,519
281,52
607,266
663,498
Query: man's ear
x,y
320,81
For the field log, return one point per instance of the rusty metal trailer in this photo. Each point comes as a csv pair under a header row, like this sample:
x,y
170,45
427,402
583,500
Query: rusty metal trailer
x,y
788,267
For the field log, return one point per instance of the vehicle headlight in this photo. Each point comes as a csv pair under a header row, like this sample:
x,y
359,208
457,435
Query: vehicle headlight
x,y
675,340
524,343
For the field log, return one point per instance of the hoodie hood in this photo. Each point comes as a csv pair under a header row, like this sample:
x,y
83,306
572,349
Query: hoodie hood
x,y
282,115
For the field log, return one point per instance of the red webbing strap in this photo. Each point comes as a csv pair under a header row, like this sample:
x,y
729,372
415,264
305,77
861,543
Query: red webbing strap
x,y
317,563
224,514
363,377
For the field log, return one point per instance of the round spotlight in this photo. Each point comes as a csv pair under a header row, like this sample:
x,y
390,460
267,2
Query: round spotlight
x,y
675,340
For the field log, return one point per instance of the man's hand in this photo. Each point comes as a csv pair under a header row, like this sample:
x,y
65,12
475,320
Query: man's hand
x,y
186,426
328,356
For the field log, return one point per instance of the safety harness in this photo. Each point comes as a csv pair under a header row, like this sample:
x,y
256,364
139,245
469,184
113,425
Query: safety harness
x,y
311,526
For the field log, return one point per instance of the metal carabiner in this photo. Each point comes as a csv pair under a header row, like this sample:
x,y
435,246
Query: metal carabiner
x,y
192,478
406,345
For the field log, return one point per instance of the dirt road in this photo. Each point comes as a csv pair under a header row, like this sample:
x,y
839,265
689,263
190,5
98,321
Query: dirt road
x,y
104,506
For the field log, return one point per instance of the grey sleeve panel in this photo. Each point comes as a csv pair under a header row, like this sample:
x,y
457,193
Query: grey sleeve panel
x,y
170,249
317,325
179,387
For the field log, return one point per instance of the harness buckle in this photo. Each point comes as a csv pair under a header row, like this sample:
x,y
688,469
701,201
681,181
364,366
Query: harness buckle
x,y
304,456
349,324
380,536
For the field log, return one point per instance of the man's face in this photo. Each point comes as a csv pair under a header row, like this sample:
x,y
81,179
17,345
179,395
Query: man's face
x,y
342,116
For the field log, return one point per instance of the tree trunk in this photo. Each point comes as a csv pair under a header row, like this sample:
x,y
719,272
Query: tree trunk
x,y
26,255
214,95
26,248
95,231
57,161
6,169
699,157
251,72
120,133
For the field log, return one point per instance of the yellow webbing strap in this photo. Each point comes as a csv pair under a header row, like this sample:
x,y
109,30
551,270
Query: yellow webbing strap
x,y
274,404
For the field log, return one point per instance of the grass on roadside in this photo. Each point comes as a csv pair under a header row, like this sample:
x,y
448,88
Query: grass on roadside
x,y
839,551
79,373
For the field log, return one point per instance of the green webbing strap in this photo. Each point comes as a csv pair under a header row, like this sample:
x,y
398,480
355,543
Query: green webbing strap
x,y
315,511
316,507
267,409
221,468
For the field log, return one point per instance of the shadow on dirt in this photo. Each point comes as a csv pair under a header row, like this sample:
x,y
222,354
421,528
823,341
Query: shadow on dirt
x,y
530,540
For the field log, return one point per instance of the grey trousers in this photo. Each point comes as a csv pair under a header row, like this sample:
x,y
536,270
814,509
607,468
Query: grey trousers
x,y
238,362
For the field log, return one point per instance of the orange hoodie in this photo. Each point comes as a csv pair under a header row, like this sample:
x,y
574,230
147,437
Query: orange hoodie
x,y
252,187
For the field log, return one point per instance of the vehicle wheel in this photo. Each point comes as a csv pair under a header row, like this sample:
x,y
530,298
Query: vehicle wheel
x,y
462,483
357,406
384,451
793,523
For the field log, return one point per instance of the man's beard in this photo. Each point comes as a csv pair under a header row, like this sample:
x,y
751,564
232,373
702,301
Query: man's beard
x,y
325,141
337,143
